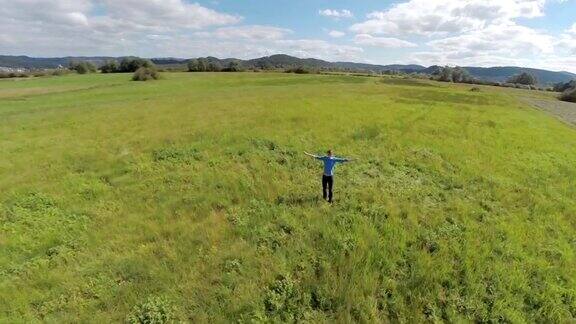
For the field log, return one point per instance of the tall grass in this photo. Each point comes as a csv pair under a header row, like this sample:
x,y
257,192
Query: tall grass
x,y
189,199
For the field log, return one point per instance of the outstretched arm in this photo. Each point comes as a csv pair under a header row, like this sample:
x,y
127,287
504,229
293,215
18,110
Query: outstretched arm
x,y
312,155
341,160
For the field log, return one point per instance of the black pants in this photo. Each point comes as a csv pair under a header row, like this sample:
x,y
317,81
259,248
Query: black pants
x,y
327,183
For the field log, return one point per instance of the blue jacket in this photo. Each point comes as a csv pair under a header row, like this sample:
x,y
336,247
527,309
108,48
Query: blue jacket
x,y
329,163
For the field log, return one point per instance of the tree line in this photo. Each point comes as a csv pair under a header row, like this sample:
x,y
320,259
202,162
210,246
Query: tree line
x,y
206,65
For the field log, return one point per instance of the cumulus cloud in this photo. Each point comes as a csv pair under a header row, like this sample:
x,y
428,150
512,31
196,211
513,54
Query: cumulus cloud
x,y
566,42
572,30
336,33
312,47
166,14
471,32
253,32
433,17
505,39
385,42
336,14
57,27
502,44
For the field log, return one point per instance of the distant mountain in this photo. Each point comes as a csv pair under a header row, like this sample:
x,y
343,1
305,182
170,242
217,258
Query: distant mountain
x,y
501,74
282,61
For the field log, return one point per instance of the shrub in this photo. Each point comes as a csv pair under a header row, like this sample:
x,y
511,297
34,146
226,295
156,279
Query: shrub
x,y
456,74
234,66
110,67
83,67
132,64
154,310
284,301
146,74
205,65
569,95
299,70
59,72
523,78
561,87
475,89
39,73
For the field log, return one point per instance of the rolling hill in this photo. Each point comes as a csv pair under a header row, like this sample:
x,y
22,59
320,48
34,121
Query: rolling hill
x,y
281,61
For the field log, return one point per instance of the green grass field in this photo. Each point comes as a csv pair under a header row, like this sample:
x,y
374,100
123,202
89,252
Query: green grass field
x,y
189,199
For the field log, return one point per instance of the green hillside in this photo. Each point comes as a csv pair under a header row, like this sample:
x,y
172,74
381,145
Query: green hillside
x,y
189,199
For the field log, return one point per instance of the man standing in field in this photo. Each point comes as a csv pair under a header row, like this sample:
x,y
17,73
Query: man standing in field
x,y
328,176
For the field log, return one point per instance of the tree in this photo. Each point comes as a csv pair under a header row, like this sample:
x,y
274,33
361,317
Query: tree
x,y
199,65
214,67
131,64
110,67
461,75
82,67
523,78
193,65
445,74
233,66
455,74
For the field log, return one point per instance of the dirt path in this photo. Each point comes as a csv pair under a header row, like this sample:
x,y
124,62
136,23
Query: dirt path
x,y
565,111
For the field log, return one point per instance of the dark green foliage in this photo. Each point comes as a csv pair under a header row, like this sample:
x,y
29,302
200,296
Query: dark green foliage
x,y
453,74
563,86
204,65
83,67
175,154
110,67
569,95
524,78
146,74
155,310
445,74
233,66
284,300
299,70
132,64
194,65
475,89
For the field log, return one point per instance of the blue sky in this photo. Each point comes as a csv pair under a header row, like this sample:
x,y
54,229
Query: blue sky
x,y
534,33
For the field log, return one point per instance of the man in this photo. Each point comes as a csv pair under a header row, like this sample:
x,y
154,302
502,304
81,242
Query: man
x,y
328,176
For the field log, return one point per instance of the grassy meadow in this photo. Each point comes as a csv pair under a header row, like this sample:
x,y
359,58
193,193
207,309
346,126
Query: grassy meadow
x,y
189,199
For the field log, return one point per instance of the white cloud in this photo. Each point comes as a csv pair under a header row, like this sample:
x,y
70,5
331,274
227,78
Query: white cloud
x,y
433,17
166,14
506,39
336,14
149,28
336,34
253,32
466,32
572,29
566,42
66,27
385,42
318,48
504,44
